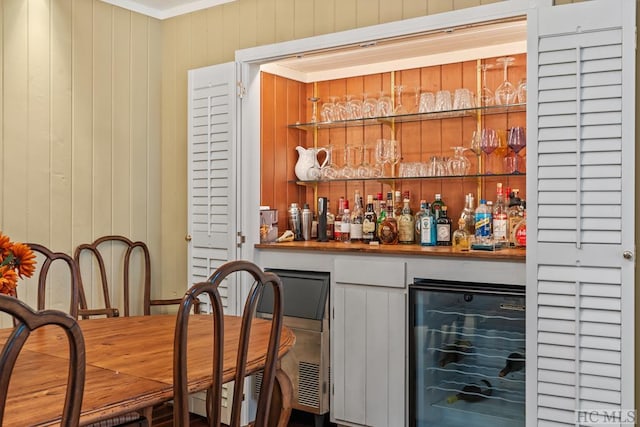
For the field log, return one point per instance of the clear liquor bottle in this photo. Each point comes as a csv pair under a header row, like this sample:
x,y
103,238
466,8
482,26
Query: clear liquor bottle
x,y
499,218
406,225
397,204
461,240
469,214
369,224
357,218
515,213
483,223
443,228
389,229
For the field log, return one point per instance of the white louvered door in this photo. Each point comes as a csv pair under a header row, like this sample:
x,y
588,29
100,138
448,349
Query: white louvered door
x,y
580,182
212,177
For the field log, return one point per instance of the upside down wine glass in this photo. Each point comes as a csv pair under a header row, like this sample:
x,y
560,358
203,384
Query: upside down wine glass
x,y
506,92
486,95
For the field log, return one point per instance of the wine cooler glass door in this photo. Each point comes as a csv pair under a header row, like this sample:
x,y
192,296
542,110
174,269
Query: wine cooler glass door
x,y
467,354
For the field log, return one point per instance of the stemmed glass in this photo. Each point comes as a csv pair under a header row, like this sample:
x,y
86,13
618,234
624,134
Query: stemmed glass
x,y
365,170
369,106
488,143
327,112
506,92
329,171
517,141
399,107
393,154
381,156
416,107
385,105
348,171
314,110
486,95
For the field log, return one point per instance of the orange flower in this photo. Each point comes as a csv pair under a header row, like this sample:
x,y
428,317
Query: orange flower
x,y
8,281
25,259
5,245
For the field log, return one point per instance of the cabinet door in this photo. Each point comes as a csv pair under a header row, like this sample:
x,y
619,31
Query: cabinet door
x,y
580,268
212,177
368,361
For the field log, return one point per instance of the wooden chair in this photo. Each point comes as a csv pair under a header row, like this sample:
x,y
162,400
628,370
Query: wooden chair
x,y
43,276
28,321
108,310
214,393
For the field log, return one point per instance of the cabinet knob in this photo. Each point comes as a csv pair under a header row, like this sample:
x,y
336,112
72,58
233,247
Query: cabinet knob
x,y
627,255
187,237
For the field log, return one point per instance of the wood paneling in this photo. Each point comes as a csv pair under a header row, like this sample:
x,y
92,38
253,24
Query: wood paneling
x,y
80,124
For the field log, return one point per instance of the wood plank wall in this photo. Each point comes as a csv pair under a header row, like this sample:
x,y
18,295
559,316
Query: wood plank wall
x,y
285,102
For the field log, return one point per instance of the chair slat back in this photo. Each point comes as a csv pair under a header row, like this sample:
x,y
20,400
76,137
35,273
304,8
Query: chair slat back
x,y
26,321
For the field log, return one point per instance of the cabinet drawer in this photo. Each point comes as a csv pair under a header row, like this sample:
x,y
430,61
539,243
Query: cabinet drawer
x,y
371,272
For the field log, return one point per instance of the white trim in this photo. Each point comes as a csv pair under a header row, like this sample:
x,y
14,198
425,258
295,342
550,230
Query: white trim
x,y
165,13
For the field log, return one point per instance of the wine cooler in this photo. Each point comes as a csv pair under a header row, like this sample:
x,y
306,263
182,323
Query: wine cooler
x,y
467,354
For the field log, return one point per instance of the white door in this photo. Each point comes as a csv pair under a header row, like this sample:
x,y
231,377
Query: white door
x,y
212,174
580,181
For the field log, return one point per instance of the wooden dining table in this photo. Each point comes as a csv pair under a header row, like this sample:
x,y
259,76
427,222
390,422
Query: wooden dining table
x,y
129,365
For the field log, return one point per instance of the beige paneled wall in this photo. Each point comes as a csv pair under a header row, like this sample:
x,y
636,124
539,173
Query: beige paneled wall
x,y
80,116
211,37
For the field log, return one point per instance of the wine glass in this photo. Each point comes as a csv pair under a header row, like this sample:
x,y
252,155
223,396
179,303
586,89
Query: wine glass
x,y
385,105
329,171
522,91
486,95
506,92
380,154
488,143
400,109
327,112
314,110
348,171
416,107
369,106
517,141
393,154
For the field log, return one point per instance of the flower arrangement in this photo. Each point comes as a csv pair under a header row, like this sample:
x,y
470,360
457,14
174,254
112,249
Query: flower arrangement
x,y
17,260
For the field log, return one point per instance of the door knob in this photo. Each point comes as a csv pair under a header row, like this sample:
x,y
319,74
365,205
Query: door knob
x,y
187,237
627,255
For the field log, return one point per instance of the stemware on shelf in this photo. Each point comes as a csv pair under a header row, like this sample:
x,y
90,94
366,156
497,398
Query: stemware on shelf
x,y
348,170
517,141
399,108
522,91
380,155
327,112
416,102
314,108
488,144
369,106
385,105
443,100
486,95
458,164
506,92
340,110
354,107
329,171
393,154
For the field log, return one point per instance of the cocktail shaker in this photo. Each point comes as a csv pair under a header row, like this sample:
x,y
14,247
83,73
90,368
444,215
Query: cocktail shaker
x,y
307,219
295,221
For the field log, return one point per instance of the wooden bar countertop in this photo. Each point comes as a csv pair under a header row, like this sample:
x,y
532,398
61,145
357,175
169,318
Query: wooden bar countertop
x,y
511,254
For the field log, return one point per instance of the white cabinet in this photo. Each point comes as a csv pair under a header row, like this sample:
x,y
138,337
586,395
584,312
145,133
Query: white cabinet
x,y
368,342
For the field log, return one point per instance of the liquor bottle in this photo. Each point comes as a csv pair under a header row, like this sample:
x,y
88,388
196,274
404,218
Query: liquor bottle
x,y
357,218
499,217
461,239
520,232
390,201
381,216
483,223
515,213
406,225
377,201
369,224
337,228
417,219
397,204
388,231
428,228
443,228
436,206
345,227
469,214
331,222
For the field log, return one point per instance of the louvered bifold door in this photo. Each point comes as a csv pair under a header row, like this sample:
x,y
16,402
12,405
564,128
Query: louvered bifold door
x,y
580,267
212,179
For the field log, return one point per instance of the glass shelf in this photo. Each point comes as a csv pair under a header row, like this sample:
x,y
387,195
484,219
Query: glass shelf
x,y
415,117
411,178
